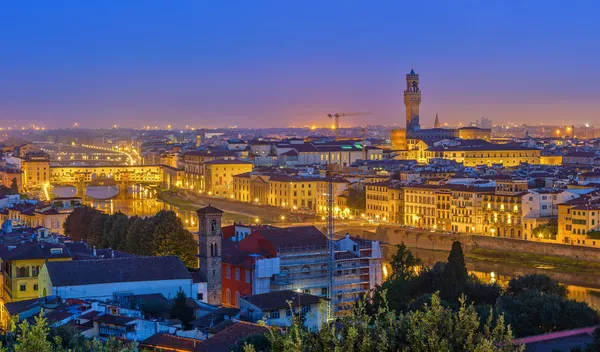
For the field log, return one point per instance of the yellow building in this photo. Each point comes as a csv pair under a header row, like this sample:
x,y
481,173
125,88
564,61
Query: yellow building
x,y
551,159
220,173
443,209
293,192
134,173
241,187
475,133
21,266
502,210
467,208
420,205
194,170
36,171
172,177
484,153
339,186
396,207
575,220
377,204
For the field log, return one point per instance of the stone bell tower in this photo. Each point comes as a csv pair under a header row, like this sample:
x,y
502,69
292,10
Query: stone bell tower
x,y
412,100
210,238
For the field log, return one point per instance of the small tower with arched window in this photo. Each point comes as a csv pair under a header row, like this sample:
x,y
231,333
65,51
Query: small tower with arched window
x,y
210,238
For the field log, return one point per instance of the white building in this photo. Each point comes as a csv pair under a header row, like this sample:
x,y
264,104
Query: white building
x,y
100,279
540,206
342,153
279,307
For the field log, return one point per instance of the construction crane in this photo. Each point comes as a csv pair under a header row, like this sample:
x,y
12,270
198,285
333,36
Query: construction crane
x,y
337,116
330,231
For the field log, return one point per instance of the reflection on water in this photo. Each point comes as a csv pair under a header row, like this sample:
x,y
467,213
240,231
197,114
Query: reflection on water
x,y
137,200
582,287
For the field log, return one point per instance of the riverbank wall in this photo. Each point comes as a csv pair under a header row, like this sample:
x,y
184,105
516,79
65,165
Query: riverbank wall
x,y
443,242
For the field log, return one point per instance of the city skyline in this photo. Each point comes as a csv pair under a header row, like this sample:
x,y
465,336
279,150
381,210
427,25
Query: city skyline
x,y
276,64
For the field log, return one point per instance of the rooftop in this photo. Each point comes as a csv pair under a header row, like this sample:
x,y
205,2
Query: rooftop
x,y
281,299
130,269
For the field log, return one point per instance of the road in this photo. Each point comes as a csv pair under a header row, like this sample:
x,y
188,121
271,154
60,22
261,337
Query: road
x,y
278,216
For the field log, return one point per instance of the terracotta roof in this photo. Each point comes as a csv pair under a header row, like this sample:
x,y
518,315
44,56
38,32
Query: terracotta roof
x,y
226,339
224,161
213,153
209,210
205,322
293,236
232,254
171,343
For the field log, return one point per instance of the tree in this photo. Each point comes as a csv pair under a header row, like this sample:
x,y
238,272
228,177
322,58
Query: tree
x,y
135,233
77,225
539,282
434,328
33,338
533,312
357,199
181,310
58,204
67,337
455,276
403,262
547,231
171,238
117,233
398,286
14,187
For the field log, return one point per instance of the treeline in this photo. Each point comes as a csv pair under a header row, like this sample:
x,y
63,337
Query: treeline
x,y
442,308
532,304
39,337
161,234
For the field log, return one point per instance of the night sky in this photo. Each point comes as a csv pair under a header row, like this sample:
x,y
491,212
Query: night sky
x,y
279,63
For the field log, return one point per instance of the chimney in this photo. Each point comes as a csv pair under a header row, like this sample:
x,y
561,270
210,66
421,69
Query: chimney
x,y
112,253
347,235
94,251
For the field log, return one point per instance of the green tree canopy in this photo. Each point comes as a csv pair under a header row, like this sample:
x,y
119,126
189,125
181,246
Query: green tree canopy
x,y
180,309
433,328
539,282
161,234
14,186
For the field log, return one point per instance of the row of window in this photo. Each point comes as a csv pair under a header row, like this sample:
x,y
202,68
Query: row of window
x,y
237,273
274,314
23,287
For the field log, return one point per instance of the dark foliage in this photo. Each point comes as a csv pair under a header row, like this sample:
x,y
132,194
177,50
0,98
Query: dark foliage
x,y
538,282
532,304
161,234
180,309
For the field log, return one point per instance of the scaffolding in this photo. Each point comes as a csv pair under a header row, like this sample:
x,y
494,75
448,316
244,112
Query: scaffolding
x,y
310,269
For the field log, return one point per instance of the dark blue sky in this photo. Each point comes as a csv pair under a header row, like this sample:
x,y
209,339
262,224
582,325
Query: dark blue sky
x,y
278,63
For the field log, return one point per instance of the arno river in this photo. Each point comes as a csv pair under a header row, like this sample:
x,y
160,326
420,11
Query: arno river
x,y
582,287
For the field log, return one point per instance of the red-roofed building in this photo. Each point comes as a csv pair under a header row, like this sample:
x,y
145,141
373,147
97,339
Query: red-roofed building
x,y
297,258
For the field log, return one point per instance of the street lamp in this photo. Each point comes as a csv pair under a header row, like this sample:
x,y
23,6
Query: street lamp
x,y
299,306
